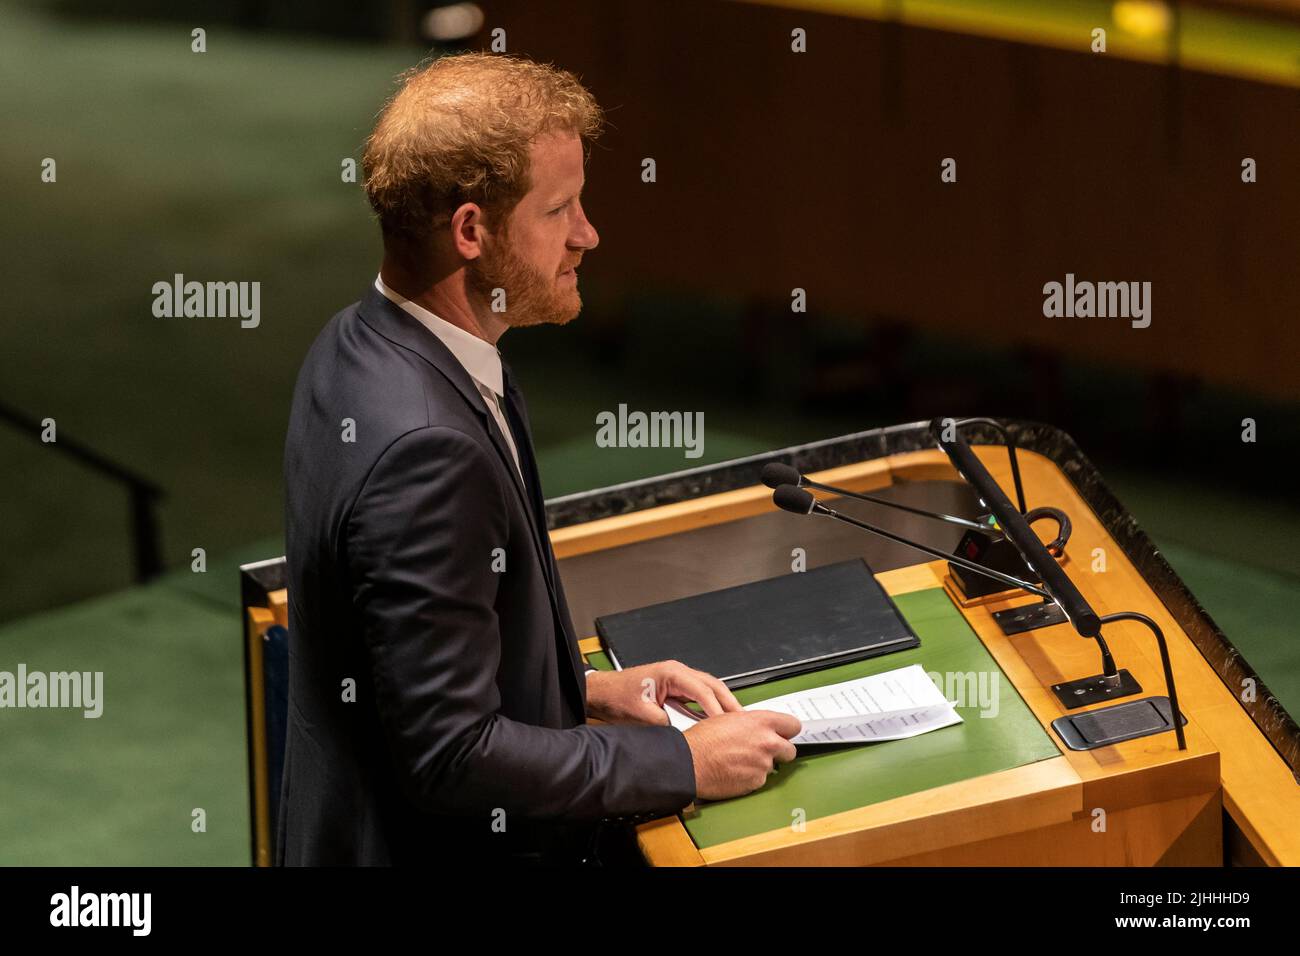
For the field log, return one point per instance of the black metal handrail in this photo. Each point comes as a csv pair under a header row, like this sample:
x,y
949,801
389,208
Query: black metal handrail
x,y
143,494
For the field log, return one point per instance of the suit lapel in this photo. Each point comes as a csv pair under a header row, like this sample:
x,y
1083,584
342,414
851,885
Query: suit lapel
x,y
395,325
386,319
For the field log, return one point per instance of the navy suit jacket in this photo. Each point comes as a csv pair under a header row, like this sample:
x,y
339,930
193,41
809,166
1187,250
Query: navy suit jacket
x,y
436,694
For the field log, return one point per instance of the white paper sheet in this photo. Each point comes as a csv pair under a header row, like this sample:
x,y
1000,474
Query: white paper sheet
x,y
890,706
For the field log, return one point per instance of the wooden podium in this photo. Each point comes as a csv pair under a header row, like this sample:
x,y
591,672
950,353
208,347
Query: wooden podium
x,y
1140,802
1231,797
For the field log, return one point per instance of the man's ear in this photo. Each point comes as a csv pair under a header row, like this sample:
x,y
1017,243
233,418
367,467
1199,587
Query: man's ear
x,y
468,224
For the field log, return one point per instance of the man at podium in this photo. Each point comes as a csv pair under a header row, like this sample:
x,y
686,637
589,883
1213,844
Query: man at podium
x,y
438,701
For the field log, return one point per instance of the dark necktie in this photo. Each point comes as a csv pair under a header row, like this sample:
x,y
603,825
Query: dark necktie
x,y
517,419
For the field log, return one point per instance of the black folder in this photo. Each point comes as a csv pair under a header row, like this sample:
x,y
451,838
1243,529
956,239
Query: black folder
x,y
768,629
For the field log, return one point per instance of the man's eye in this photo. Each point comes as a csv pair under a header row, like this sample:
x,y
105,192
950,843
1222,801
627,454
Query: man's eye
x,y
558,209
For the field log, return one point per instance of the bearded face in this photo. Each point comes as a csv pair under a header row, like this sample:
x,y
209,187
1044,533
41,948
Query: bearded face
x,y
530,295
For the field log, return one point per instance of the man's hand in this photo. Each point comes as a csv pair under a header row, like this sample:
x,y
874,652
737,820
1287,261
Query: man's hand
x,y
734,753
637,694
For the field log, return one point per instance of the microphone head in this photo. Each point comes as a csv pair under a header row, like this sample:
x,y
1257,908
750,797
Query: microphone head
x,y
776,474
794,499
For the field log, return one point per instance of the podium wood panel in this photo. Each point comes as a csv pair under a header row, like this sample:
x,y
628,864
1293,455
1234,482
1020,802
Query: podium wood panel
x,y
1160,805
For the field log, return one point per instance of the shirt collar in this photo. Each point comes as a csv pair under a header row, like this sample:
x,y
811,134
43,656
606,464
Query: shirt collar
x,y
480,359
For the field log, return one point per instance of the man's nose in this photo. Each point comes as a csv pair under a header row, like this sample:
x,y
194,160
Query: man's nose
x,y
585,236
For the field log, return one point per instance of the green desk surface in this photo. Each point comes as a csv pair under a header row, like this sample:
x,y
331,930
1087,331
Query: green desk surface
x,y
1000,735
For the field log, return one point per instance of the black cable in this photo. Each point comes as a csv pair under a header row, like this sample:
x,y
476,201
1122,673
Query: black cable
x,y
1164,660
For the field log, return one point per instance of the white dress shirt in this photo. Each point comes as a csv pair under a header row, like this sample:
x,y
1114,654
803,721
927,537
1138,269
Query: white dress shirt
x,y
479,358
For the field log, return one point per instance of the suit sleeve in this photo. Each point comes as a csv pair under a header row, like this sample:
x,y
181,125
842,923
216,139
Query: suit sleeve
x,y
419,542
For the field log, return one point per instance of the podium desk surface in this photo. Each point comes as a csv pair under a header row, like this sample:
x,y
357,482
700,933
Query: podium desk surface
x,y
998,732
958,790
1159,805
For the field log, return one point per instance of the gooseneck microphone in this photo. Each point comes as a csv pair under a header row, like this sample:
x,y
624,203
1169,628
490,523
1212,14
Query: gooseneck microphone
x,y
775,474
800,501
1062,591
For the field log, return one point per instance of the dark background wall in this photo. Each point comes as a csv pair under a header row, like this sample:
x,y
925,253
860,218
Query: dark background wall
x,y
775,171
